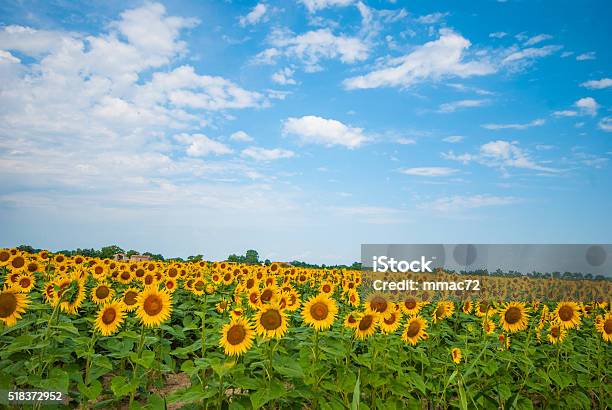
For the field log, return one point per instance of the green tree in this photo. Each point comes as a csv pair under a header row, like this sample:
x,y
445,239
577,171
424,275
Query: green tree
x,y
251,257
195,258
110,251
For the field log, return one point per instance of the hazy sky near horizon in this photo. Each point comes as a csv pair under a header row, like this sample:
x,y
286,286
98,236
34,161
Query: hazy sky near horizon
x,y
303,129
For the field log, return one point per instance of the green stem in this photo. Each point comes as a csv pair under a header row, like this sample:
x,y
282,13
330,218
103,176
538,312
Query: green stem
x,y
135,366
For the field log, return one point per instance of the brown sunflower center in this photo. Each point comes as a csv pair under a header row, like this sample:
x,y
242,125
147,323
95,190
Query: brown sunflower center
x,y
148,279
440,311
109,316
391,319
266,295
4,256
236,335
410,304
513,315
378,304
351,319
608,326
555,332
566,313
271,319
413,329
153,305
98,270
319,311
125,275
8,304
326,288
366,322
130,297
32,267
25,282
102,292
18,262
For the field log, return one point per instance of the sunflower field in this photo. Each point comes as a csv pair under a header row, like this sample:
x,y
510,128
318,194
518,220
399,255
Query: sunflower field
x,y
199,335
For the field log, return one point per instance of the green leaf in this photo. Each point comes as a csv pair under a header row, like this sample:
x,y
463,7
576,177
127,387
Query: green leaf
x,y
263,396
462,396
120,386
290,369
156,402
418,382
356,395
92,391
57,381
146,359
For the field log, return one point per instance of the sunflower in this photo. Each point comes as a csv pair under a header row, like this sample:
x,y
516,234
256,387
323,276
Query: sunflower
x,y
351,320
327,287
110,317
367,325
320,311
12,305
390,323
488,326
456,355
170,285
377,302
443,310
154,306
353,298
271,321
222,306
414,331
237,336
410,306
556,333
513,317
467,306
5,257
17,263
293,300
568,314
130,299
102,293
483,309
604,326
267,294
25,283
71,295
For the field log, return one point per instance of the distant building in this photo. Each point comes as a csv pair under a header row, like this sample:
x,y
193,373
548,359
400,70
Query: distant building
x,y
133,258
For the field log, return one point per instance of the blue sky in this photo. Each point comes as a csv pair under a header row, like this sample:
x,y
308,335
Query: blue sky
x,y
303,129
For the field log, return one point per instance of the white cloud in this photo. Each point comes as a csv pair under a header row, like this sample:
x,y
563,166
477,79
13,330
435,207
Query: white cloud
x,y
8,57
586,56
500,154
241,136
537,39
406,141
316,130
566,54
460,203
534,123
455,105
429,171
263,154
453,139
313,46
255,16
598,84
527,55
315,5
587,105
284,76
199,145
266,57
498,34
605,124
432,18
434,60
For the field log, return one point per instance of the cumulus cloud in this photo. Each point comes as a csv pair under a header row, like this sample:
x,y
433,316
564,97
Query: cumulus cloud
x,y
241,136
535,123
605,124
598,84
316,5
312,47
441,58
263,154
584,106
311,129
502,155
456,105
284,76
199,145
429,171
254,16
